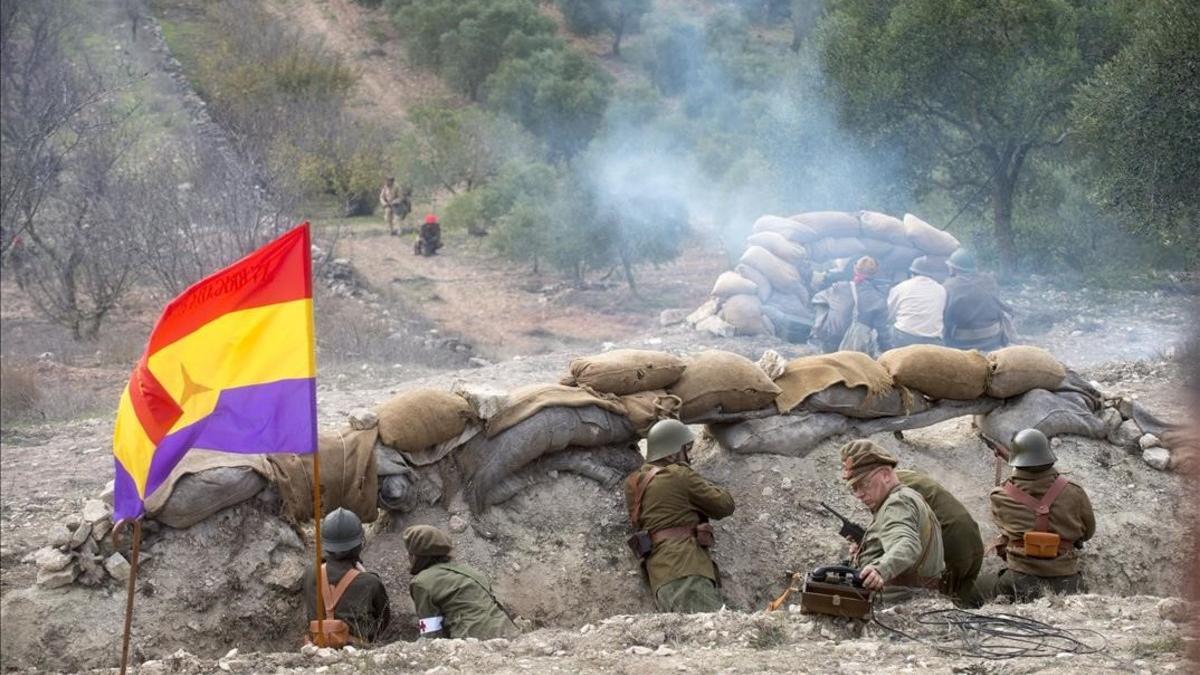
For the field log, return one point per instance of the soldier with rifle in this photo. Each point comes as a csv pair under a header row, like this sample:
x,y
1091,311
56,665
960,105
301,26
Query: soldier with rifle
x,y
396,205
670,505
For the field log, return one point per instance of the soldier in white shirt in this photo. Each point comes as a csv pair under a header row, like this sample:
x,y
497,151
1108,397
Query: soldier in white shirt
x,y
915,306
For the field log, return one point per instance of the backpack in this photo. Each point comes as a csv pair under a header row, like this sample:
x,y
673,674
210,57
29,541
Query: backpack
x,y
335,632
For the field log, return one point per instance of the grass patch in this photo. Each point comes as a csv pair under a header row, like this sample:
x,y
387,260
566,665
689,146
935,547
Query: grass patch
x,y
768,636
1162,645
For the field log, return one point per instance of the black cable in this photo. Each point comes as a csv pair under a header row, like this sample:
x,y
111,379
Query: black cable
x,y
995,636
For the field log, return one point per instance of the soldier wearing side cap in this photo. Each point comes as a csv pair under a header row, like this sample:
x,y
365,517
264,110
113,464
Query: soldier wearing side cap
x,y
1043,518
452,600
362,601
901,550
670,505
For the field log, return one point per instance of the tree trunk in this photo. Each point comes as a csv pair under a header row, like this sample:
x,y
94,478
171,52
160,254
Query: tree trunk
x,y
1002,205
618,33
627,266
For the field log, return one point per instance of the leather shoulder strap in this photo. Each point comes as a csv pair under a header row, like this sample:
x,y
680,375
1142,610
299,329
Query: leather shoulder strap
x,y
639,489
333,595
1040,508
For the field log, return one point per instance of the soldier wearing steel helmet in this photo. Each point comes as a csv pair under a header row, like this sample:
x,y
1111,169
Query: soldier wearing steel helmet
x,y
975,317
670,505
363,602
1043,518
915,306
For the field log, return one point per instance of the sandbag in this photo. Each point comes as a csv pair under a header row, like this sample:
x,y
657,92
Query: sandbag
x,y
875,248
744,313
882,227
626,371
938,372
789,228
417,420
830,223
488,460
607,465
1016,370
526,401
205,482
796,304
1046,411
928,238
833,248
795,328
808,375
857,402
895,263
764,285
783,276
732,283
349,475
779,245
789,435
647,407
717,382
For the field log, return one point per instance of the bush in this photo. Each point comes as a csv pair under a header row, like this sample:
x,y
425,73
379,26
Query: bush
x,y
19,392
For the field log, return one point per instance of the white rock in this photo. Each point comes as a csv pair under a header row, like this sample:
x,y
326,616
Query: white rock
x,y
1174,609
664,650
1112,421
80,535
62,577
478,362
1157,458
1126,435
101,529
786,483
485,399
50,559
106,495
639,650
362,418
715,326
117,566
95,510
59,536
1055,442
670,317
328,653
457,524
309,649
1149,441
768,491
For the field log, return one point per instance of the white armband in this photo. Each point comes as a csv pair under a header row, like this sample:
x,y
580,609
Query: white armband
x,y
430,625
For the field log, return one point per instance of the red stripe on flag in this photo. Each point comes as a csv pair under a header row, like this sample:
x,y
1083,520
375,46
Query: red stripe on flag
x,y
277,272
155,409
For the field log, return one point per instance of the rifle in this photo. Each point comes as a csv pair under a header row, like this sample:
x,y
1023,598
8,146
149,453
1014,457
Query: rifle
x,y
850,530
1002,456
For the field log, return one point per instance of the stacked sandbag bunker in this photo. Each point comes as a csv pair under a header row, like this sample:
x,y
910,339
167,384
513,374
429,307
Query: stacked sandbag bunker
x,y
769,290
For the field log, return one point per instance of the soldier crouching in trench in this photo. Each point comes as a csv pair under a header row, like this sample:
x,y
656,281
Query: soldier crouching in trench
x,y
669,508
901,550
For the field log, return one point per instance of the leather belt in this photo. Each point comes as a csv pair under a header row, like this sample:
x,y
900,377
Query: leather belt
x,y
681,532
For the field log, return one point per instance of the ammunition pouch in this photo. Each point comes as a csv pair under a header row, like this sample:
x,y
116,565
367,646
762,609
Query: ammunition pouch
x,y
705,536
333,633
640,543
1042,544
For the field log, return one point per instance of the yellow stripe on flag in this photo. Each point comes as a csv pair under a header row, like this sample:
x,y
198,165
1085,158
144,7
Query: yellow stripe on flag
x,y
252,346
132,447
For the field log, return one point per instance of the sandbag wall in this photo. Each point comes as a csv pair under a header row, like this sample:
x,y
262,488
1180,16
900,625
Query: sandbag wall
x,y
428,445
770,288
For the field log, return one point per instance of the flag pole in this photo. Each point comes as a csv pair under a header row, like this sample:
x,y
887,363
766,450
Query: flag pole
x,y
321,580
129,590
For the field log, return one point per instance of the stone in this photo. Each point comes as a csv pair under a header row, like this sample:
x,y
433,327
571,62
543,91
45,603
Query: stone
x,y
1112,421
715,326
478,362
1148,441
95,510
457,524
101,529
1126,435
768,491
50,559
703,312
59,536
80,535
106,495
786,483
487,400
287,575
58,579
118,567
1174,609
670,317
309,650
1157,458
362,418
664,650
638,650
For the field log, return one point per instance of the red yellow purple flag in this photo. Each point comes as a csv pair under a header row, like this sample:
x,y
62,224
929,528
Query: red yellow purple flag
x,y
230,366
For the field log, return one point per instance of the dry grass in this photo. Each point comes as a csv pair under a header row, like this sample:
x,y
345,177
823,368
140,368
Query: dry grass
x,y
19,393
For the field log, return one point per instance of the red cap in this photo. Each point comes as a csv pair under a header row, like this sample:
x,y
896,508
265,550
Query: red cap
x,y
430,219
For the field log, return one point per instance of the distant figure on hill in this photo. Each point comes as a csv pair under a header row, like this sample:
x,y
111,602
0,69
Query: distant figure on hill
x,y
396,204
430,238
975,317
915,306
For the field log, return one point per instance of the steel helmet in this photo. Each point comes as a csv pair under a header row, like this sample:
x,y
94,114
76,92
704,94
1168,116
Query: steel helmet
x,y
1030,447
430,219
341,531
962,260
931,267
666,438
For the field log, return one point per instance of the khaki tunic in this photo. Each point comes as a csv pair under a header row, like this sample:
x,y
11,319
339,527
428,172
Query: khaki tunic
x,y
1071,518
961,541
677,497
364,606
904,536
387,195
463,600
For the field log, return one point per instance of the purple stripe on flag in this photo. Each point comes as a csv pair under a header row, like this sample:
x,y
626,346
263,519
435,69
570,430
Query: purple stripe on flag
x,y
274,417
126,505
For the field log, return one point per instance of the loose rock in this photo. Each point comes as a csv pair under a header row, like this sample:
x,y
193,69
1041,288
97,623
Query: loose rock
x,y
50,560
361,418
1157,458
80,535
1126,435
1149,441
106,495
1174,609
58,579
59,536
457,524
670,317
118,567
95,510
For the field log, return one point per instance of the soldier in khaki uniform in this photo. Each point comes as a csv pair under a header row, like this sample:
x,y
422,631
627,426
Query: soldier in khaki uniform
x,y
961,541
452,600
901,549
669,508
1039,550
363,601
394,202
